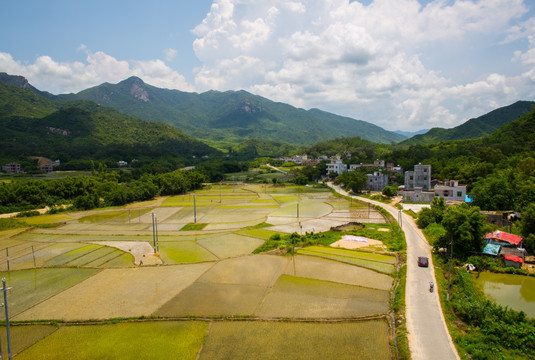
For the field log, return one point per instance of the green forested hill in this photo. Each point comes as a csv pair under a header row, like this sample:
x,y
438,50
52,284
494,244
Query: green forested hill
x,y
231,117
475,128
33,125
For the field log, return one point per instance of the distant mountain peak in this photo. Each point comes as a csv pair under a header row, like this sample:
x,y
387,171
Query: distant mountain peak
x,y
137,88
138,91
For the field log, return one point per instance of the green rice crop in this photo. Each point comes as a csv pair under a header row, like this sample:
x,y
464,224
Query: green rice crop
x,y
91,256
230,245
148,340
310,298
48,219
70,256
100,217
300,341
286,199
369,264
208,299
123,260
183,252
354,254
107,257
263,234
22,337
30,287
189,227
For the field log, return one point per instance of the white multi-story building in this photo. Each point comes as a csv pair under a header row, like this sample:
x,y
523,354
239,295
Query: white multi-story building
x,y
336,166
451,190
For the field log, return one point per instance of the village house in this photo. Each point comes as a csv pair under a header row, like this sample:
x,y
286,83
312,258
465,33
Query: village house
x,y
420,177
451,190
12,168
376,181
507,246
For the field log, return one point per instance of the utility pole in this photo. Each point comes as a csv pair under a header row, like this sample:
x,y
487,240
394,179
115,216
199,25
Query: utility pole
x,y
153,233
194,210
5,289
449,268
297,210
157,240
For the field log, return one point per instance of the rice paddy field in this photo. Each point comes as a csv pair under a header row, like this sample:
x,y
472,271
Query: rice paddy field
x,y
193,269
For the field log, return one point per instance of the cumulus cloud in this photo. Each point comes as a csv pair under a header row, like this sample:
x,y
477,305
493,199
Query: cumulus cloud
x,y
48,74
360,60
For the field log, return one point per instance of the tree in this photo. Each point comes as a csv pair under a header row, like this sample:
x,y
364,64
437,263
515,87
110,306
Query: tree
x,y
353,180
431,215
465,227
527,224
390,191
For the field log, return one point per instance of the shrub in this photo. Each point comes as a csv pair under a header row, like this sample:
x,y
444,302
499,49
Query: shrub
x,y
28,213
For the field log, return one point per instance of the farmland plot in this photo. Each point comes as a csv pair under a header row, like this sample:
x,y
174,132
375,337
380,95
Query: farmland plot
x,y
230,245
294,297
167,340
31,287
118,293
282,340
324,269
380,263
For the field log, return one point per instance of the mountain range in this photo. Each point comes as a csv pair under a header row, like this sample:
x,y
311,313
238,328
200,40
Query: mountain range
x,y
32,125
228,118
132,118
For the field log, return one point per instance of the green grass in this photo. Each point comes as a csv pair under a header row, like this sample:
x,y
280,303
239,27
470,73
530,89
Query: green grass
x,y
148,340
284,340
190,227
30,287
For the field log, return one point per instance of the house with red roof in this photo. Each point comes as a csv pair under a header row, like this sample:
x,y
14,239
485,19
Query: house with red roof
x,y
512,260
503,238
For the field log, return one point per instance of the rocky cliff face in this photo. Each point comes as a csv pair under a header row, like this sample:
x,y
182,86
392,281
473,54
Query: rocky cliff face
x,y
138,92
16,80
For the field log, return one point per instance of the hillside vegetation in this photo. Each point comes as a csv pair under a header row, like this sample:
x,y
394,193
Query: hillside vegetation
x,y
228,118
475,128
32,125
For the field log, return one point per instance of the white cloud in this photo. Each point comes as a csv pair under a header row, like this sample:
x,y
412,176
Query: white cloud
x,y
58,77
361,61
170,54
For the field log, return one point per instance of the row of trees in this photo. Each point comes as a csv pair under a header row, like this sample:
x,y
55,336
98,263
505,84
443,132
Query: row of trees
x,y
102,189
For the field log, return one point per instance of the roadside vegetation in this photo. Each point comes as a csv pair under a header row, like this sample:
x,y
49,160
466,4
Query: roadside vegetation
x,y
480,328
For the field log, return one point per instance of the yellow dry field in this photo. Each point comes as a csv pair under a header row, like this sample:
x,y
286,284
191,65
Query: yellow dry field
x,y
118,293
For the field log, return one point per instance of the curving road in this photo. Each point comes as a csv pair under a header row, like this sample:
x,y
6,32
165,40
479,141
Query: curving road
x,y
428,335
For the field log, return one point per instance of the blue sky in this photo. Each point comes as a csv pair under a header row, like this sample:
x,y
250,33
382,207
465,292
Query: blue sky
x,y
401,64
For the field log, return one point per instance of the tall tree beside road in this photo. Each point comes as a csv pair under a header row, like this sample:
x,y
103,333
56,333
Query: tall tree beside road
x,y
352,180
465,227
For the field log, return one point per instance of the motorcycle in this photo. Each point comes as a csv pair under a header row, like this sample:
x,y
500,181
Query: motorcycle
x,y
431,286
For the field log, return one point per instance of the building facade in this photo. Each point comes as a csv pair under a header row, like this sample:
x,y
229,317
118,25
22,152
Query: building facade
x,y
419,178
451,190
376,181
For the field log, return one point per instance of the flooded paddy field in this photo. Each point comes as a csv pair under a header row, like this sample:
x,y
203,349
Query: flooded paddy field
x,y
199,264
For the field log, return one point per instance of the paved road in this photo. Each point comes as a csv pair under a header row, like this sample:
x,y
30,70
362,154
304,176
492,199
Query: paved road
x,y
428,334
